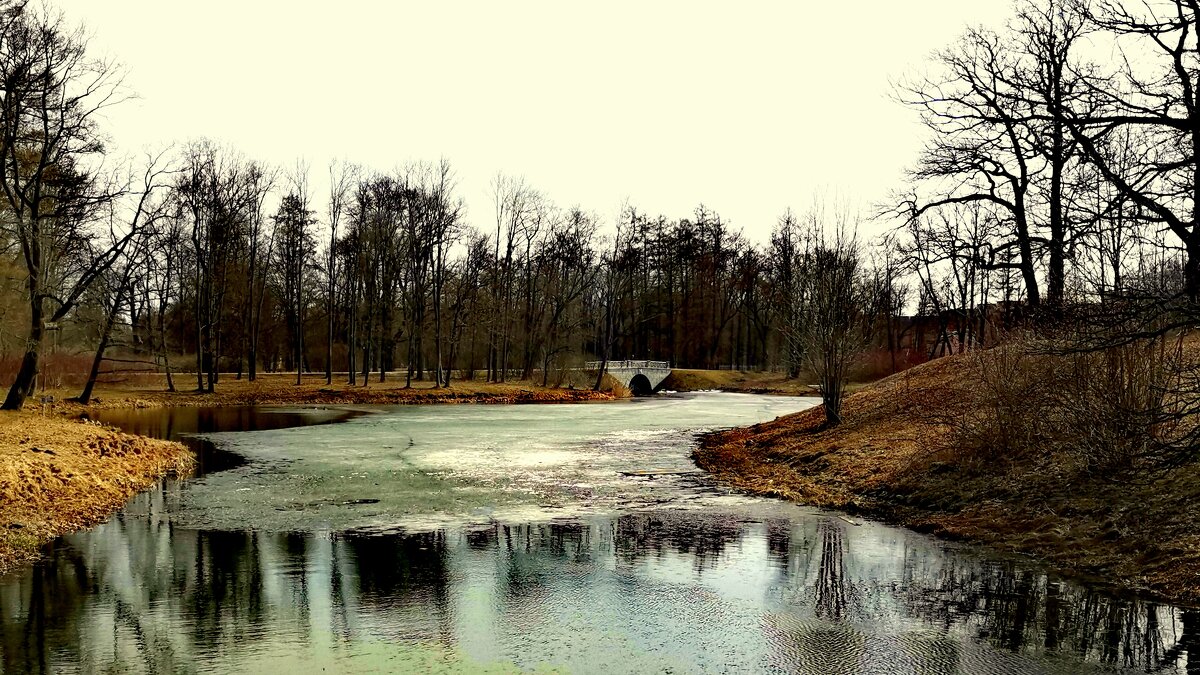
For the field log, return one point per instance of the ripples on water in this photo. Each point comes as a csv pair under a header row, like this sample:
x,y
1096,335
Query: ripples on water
x,y
689,579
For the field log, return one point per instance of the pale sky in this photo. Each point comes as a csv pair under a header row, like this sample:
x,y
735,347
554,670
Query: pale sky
x,y
748,107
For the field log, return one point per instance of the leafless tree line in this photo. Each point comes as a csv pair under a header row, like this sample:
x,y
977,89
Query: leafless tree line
x,y
201,260
1061,184
1061,168
1053,178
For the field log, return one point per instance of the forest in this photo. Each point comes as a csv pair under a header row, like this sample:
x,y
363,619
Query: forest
x,y
1059,190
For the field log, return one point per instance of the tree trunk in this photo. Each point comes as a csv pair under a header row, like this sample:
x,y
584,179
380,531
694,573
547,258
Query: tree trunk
x,y
86,395
199,336
23,385
299,345
1192,243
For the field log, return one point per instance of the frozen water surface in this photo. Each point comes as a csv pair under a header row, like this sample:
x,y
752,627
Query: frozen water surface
x,y
513,539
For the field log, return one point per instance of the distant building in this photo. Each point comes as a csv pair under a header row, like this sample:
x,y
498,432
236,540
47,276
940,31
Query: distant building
x,y
954,331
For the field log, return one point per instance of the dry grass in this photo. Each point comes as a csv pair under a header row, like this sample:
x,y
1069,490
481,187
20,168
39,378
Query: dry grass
x,y
279,389
870,368
887,427
59,475
683,379
899,455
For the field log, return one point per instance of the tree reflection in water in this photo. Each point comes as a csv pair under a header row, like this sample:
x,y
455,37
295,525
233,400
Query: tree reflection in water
x,y
1023,609
677,590
833,592
702,540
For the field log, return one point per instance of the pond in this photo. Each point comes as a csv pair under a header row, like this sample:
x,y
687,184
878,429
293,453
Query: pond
x,y
566,538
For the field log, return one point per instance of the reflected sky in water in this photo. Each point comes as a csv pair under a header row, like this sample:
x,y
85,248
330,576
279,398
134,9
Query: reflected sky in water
x,y
688,578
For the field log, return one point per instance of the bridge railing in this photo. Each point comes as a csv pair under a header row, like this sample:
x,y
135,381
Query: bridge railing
x,y
627,364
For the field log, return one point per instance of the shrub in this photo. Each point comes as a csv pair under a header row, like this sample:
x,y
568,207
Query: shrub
x,y
1014,391
1095,411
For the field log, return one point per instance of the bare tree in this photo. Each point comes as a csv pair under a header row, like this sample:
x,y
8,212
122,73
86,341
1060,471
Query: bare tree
x,y
1157,99
983,149
948,252
833,319
52,94
218,194
341,175
608,293
260,249
514,201
143,218
445,229
789,249
569,271
294,241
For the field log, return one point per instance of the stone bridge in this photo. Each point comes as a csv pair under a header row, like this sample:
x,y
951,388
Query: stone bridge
x,y
641,377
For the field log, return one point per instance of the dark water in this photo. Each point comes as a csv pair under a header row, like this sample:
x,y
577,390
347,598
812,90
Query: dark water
x,y
184,424
506,539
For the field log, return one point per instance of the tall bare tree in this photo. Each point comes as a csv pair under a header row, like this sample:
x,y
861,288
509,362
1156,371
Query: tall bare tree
x,y
341,176
1159,99
143,217
51,95
833,319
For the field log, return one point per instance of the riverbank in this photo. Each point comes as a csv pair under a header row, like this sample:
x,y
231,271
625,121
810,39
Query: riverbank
x,y
58,476
736,381
898,456
59,473
743,382
281,389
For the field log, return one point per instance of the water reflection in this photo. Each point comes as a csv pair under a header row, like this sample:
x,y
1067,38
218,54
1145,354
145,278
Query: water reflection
x,y
647,591
183,423
588,570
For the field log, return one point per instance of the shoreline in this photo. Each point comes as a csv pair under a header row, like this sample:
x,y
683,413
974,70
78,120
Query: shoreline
x,y
60,472
893,459
736,382
91,471
281,390
59,476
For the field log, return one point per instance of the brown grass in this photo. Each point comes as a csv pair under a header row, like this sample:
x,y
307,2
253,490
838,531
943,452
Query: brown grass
x,y
59,475
279,389
684,379
869,367
898,456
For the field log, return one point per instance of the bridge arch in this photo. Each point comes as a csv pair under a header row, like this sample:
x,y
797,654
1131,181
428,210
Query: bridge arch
x,y
640,385
641,377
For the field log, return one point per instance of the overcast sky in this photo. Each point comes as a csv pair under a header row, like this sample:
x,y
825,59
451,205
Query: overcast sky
x,y
747,107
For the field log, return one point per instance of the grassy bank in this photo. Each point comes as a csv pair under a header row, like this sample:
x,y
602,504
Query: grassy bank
x,y
59,475
280,389
746,382
909,452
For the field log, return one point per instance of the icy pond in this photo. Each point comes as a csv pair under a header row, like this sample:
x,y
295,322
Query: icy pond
x,y
545,538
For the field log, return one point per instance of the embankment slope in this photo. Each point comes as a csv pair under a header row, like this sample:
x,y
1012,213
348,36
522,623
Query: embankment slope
x,y
895,458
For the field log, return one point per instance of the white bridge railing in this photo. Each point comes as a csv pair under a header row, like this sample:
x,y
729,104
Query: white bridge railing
x,y
627,365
